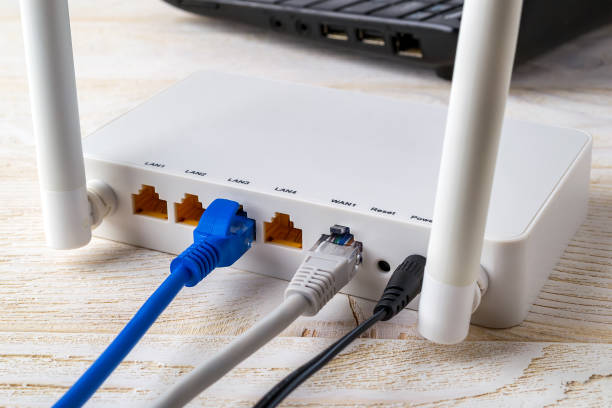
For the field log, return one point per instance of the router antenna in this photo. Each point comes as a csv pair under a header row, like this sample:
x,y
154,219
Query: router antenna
x,y
481,79
48,48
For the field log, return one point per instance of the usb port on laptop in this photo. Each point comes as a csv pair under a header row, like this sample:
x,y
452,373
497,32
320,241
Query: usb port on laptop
x,y
334,33
371,37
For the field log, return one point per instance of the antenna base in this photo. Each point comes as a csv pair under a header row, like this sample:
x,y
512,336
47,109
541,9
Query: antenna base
x,y
445,310
102,201
66,218
69,216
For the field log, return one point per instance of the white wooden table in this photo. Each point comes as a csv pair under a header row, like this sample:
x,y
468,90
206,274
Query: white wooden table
x,y
58,310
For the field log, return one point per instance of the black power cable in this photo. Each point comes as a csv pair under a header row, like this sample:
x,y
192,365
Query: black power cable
x,y
404,285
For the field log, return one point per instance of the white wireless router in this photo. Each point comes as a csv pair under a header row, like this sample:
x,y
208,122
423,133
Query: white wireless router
x,y
301,158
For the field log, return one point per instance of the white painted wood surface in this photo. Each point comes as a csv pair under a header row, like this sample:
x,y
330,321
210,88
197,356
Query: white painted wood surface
x,y
60,309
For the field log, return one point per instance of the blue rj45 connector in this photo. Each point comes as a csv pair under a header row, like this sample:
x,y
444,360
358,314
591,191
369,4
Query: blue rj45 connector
x,y
222,236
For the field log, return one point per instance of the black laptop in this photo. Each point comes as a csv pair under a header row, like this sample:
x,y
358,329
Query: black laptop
x,y
419,33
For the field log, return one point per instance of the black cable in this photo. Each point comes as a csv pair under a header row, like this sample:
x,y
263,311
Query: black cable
x,y
297,377
403,286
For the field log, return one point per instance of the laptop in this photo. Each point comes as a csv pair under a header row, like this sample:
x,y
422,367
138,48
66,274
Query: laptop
x,y
417,33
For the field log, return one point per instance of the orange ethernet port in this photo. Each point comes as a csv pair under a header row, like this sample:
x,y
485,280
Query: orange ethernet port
x,y
147,202
280,230
189,210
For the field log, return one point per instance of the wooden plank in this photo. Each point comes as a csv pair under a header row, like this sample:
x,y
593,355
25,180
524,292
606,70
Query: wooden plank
x,y
369,373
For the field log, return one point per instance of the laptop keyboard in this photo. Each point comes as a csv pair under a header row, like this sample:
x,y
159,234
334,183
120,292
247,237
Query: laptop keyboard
x,y
446,12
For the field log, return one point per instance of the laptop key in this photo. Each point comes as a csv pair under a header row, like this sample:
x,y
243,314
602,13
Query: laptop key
x,y
400,9
368,6
438,8
455,15
418,16
331,5
451,19
299,3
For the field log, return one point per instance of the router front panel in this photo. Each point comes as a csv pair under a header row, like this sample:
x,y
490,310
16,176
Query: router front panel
x,y
324,157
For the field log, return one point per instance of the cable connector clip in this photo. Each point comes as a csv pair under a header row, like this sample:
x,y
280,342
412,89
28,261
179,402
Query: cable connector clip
x,y
222,236
329,265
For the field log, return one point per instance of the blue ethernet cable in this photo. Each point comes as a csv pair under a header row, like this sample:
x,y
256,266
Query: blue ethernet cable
x,y
222,236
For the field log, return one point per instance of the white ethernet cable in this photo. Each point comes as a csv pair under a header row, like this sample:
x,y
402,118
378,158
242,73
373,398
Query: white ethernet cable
x,y
329,265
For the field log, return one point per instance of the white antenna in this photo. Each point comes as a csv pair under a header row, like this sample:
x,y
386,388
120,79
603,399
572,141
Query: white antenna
x,y
68,214
481,79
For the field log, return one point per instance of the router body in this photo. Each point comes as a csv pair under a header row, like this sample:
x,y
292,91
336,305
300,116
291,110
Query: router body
x,y
324,157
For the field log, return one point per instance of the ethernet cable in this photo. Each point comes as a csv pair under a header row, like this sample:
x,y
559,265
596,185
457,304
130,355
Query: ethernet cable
x,y
222,236
329,265
404,285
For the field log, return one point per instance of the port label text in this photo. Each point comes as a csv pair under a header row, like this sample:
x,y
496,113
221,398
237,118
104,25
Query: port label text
x,y
381,211
342,202
285,190
416,217
195,172
154,164
239,181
